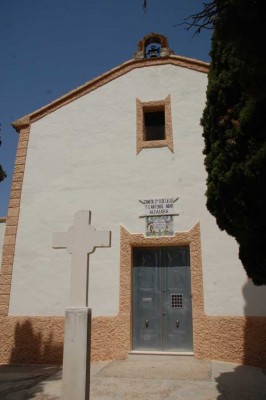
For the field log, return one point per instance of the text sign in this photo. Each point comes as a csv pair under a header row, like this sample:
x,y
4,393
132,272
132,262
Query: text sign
x,y
163,206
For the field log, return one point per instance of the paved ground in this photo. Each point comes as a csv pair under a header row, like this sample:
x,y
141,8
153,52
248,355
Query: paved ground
x,y
141,378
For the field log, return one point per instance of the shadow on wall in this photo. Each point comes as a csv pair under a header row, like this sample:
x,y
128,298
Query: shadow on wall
x,y
32,348
248,382
255,326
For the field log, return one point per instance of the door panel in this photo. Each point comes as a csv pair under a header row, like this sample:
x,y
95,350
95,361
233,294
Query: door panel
x,y
162,311
146,300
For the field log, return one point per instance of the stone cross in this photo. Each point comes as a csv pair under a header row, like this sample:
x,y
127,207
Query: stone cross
x,y
80,240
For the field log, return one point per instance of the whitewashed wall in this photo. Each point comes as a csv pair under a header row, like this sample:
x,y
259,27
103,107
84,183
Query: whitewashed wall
x,y
2,233
83,156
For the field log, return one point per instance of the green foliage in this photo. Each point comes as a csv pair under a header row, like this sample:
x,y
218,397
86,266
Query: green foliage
x,y
2,174
234,123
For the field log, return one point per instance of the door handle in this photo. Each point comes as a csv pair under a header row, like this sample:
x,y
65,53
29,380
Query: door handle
x,y
146,323
177,323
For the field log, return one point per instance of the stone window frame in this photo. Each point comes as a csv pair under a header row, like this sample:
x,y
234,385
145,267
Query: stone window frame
x,y
158,105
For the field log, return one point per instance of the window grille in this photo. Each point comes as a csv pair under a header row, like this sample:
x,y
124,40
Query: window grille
x,y
177,301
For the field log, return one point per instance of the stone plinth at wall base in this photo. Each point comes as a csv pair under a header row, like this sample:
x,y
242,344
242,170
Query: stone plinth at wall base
x,y
76,359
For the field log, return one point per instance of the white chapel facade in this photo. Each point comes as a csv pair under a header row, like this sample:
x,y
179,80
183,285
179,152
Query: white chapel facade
x,y
128,147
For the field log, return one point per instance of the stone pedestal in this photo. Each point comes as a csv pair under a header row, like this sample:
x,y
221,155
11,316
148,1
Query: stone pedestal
x,y
76,361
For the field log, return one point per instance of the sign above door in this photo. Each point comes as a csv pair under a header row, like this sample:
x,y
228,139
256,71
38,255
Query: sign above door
x,y
159,206
159,215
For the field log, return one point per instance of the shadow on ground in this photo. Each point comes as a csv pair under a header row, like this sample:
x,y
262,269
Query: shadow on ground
x,y
17,383
242,383
27,377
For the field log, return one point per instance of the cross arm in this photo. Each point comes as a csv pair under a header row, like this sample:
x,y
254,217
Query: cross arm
x,y
102,238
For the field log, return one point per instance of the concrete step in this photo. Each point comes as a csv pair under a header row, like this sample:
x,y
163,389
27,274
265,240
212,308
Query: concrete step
x,y
159,367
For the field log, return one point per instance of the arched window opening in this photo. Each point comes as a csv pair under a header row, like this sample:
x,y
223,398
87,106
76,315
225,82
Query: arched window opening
x,y
152,46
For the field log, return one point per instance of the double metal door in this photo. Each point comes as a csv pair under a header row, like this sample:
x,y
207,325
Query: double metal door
x,y
162,310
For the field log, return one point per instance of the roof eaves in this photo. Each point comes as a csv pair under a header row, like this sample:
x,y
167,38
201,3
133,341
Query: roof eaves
x,y
101,80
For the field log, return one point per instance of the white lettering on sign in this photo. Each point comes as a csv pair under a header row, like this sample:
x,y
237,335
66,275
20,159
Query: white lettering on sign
x,y
163,206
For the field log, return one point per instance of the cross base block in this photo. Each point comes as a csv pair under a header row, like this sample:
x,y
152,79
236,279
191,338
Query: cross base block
x,y
76,361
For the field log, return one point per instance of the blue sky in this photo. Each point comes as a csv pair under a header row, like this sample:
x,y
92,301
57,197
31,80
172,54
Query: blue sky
x,y
49,47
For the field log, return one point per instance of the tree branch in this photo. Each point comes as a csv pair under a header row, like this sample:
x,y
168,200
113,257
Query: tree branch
x,y
204,19
145,8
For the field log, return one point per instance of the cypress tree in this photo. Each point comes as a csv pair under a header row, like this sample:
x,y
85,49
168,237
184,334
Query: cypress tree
x,y
234,125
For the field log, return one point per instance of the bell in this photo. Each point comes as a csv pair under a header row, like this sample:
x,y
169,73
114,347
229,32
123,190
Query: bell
x,y
154,52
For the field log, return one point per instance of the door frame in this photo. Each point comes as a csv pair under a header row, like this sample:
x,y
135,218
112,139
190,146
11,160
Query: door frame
x,y
201,334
